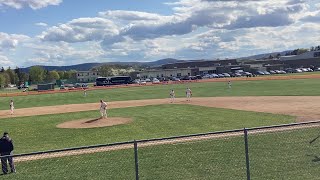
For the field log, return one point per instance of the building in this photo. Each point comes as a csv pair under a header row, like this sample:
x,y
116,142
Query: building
x,y
193,68
176,72
307,59
87,76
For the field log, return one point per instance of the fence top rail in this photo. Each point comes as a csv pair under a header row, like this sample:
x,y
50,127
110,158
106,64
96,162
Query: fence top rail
x,y
161,139
283,125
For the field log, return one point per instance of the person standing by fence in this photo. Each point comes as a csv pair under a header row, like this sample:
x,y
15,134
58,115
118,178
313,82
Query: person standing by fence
x,y
6,148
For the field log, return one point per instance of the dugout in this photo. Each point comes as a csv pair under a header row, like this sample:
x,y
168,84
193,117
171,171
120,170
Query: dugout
x,y
45,87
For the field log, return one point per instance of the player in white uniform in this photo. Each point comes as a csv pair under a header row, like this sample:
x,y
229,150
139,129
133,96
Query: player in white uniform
x,y
229,84
84,92
11,106
189,94
172,96
103,109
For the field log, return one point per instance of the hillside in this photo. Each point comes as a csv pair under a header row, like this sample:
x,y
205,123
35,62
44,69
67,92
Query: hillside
x,y
88,66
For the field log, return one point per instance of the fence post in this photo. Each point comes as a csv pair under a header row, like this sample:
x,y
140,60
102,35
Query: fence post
x,y
245,131
135,145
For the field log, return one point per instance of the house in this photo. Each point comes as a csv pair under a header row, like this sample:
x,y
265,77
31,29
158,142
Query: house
x,y
87,76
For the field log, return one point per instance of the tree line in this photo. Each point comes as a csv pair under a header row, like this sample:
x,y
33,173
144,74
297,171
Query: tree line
x,y
36,74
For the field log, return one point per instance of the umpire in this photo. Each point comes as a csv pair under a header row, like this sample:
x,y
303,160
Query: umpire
x,y
6,147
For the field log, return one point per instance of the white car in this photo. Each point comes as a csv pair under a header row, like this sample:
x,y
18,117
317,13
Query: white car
x,y
143,82
155,81
207,76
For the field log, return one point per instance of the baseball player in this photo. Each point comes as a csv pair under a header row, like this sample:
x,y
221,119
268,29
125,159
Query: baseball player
x,y
229,84
11,107
172,96
84,92
189,94
103,109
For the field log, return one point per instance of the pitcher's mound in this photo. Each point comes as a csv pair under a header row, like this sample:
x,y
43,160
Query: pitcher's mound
x,y
92,123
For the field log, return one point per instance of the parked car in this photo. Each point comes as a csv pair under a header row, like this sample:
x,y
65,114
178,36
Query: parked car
x,y
260,73
185,78
266,72
175,79
247,74
221,75
198,77
143,82
148,80
237,74
298,71
272,72
136,81
289,70
206,76
317,69
155,81
226,75
309,70
214,75
62,87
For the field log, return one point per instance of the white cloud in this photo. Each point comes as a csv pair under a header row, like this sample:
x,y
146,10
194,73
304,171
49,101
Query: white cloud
x,y
10,41
41,24
81,30
33,4
4,61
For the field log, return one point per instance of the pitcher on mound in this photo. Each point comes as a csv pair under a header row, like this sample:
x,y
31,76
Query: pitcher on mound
x,y
103,109
189,94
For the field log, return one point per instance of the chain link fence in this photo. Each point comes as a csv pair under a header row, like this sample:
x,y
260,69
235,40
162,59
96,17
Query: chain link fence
x,y
274,152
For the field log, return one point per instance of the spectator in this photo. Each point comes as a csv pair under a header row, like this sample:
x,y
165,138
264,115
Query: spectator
x,y
6,148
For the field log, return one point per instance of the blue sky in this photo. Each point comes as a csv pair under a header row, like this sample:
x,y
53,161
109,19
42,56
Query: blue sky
x,y
65,32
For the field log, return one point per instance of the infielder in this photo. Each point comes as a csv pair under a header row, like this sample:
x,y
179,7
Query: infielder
x,y
172,96
11,107
84,92
103,109
189,94
229,84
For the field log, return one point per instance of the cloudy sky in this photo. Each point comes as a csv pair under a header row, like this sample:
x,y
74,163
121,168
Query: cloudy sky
x,y
66,32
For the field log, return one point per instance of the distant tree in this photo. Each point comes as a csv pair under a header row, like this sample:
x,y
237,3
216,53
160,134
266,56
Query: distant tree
x,y
2,81
61,74
301,51
105,70
71,75
270,57
23,77
36,74
46,76
2,69
6,78
54,75
12,76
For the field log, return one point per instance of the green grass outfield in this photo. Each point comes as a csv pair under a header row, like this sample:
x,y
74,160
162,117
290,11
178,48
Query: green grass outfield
x,y
280,155
297,87
39,133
